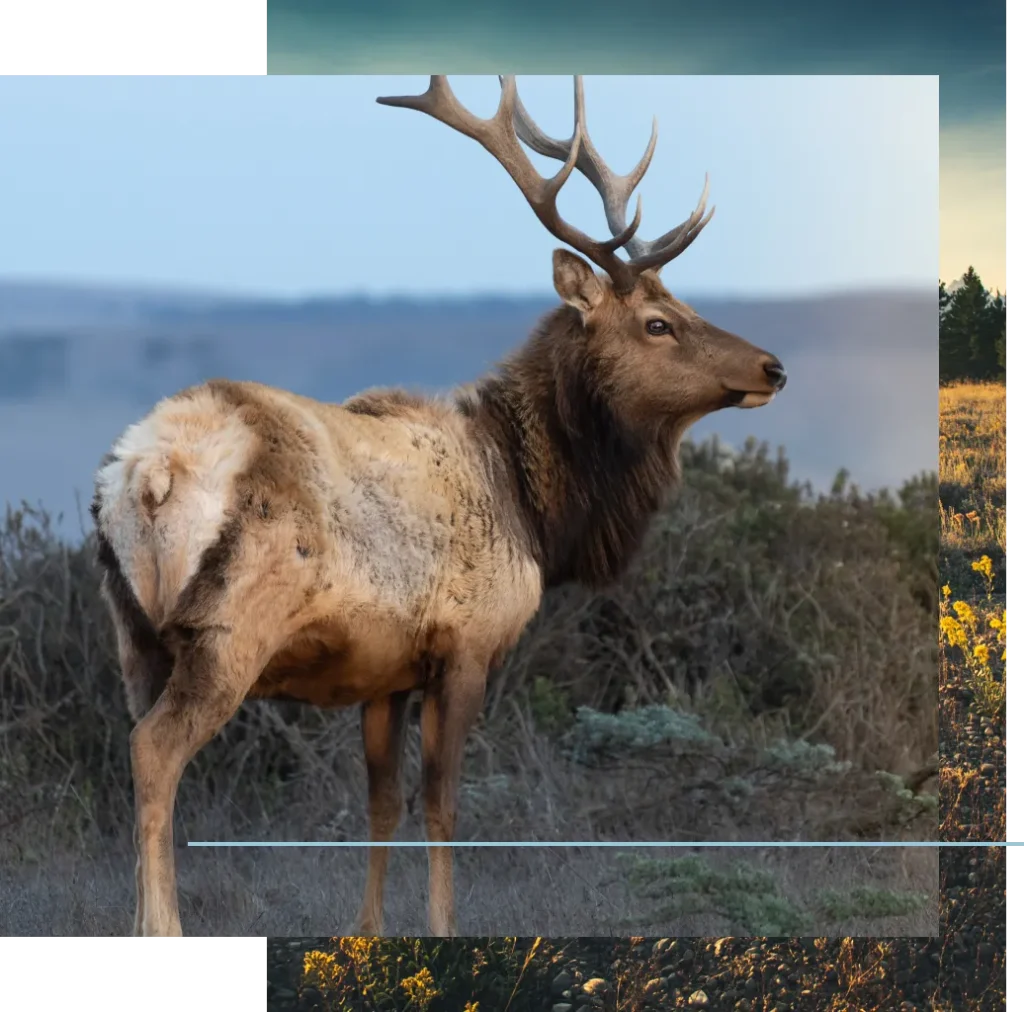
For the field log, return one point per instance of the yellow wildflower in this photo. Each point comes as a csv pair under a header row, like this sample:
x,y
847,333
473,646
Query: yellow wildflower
x,y
357,949
420,987
320,970
983,566
946,591
981,653
953,631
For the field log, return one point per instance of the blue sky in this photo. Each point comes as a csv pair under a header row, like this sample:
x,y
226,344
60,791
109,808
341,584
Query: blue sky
x,y
966,48
299,186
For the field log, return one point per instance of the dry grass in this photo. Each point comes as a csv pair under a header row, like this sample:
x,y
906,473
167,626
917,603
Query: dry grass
x,y
637,974
972,696
972,481
794,659
552,891
743,970
973,567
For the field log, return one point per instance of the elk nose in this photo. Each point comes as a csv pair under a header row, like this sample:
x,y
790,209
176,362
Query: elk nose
x,y
775,373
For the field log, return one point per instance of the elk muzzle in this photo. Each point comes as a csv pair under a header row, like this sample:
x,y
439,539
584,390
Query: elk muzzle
x,y
773,379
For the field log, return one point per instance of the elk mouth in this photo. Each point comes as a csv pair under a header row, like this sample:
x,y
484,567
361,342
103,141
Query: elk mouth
x,y
748,398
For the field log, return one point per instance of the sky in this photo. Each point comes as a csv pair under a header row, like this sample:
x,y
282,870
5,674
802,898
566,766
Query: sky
x,y
964,44
297,186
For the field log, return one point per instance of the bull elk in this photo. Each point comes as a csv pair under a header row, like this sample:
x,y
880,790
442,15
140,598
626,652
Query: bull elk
x,y
259,544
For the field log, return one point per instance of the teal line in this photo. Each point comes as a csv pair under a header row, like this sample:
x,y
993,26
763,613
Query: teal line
x,y
581,843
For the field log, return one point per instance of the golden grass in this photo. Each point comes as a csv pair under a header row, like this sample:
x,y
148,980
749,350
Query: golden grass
x,y
972,669
972,477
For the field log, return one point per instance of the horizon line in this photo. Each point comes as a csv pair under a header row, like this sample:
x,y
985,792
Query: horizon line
x,y
226,295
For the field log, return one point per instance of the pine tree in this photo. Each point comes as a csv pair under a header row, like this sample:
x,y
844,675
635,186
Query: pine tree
x,y
954,350
972,330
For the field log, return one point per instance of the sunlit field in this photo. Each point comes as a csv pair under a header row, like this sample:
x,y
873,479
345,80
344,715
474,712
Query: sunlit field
x,y
972,481
973,611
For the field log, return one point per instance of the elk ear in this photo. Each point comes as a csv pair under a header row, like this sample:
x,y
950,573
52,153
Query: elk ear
x,y
576,282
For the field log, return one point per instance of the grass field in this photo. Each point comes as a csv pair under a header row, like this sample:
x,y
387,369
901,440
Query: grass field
x,y
964,968
960,969
767,670
972,482
972,489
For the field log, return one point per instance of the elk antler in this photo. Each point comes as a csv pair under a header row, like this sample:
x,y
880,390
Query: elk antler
x,y
614,190
498,135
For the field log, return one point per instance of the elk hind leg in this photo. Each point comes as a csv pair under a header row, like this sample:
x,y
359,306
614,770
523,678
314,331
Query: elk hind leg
x,y
209,681
384,722
145,670
145,662
451,702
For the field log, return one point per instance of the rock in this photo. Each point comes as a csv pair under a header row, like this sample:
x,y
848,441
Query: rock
x,y
561,982
688,957
596,985
562,1006
698,1000
654,984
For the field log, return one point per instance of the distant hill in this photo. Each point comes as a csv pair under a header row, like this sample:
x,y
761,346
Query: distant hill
x,y
165,340
77,364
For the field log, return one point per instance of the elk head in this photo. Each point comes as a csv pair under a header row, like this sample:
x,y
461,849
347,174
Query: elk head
x,y
663,362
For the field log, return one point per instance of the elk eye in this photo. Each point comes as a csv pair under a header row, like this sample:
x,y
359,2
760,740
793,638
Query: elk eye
x,y
658,327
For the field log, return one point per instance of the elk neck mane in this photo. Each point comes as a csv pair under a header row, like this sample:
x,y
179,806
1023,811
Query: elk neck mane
x,y
586,483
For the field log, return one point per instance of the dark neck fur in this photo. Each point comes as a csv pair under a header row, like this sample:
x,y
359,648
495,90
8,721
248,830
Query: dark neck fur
x,y
587,484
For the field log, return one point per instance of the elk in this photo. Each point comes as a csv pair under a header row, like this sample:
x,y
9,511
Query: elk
x,y
259,544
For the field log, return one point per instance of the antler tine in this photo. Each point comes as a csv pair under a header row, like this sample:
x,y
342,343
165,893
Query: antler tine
x,y
615,190
668,246
498,136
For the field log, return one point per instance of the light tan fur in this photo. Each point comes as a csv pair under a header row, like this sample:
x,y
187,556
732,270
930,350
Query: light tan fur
x,y
376,559
191,443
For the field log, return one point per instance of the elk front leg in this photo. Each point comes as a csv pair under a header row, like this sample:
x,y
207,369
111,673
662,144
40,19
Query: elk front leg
x,y
384,723
451,702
